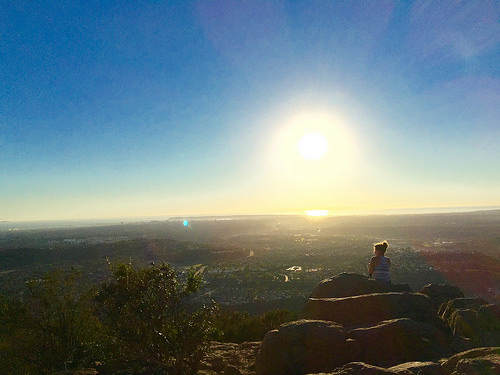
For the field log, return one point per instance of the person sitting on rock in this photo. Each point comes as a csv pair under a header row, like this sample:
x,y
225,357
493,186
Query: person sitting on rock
x,y
379,264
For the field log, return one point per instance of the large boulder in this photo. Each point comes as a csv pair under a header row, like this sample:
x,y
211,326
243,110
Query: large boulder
x,y
400,340
419,368
475,320
446,310
487,365
353,284
481,361
361,368
302,347
441,293
370,308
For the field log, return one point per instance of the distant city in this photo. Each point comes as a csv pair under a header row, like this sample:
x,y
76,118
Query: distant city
x,y
35,224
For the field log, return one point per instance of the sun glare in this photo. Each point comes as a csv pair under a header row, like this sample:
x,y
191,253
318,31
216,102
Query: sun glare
x,y
317,212
312,146
312,158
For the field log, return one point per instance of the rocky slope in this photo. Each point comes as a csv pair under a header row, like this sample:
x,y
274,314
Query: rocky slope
x,y
355,325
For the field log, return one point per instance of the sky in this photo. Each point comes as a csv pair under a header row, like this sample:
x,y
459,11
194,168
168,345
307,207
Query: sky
x,y
115,109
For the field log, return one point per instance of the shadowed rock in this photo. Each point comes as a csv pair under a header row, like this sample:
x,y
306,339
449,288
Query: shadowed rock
x,y
419,368
473,319
302,347
352,284
369,309
446,310
351,318
360,368
400,340
231,370
467,362
441,293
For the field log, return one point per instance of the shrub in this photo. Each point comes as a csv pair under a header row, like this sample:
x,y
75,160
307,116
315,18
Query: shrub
x,y
51,328
152,319
240,326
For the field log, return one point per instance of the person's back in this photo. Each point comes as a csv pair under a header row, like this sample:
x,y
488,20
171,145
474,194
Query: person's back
x,y
381,270
379,266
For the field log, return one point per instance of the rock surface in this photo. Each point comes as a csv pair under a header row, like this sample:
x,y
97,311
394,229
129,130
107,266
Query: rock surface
x,y
419,368
221,355
473,319
441,293
378,333
400,340
490,353
370,308
352,284
487,365
301,347
360,368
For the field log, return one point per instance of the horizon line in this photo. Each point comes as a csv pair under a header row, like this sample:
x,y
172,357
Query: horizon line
x,y
334,213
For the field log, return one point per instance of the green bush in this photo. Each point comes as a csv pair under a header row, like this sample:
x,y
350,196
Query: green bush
x,y
51,328
150,317
240,326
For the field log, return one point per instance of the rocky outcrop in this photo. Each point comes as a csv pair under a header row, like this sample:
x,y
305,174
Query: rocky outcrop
x,y
474,320
441,293
225,357
302,347
484,362
308,346
481,361
355,368
352,325
352,284
400,340
419,368
370,308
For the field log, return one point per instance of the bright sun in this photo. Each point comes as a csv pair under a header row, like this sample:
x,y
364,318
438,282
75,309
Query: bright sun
x,y
317,212
312,146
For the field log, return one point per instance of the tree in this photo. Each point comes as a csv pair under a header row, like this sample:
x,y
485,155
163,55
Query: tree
x,y
51,328
152,319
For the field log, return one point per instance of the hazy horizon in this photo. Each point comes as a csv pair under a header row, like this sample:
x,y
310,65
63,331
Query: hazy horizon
x,y
161,108
64,223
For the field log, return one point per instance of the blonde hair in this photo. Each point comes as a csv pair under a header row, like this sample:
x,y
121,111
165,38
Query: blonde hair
x,y
381,246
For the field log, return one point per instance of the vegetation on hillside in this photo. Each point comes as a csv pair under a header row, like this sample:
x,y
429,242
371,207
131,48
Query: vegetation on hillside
x,y
141,321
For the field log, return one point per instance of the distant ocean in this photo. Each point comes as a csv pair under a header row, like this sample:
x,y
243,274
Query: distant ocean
x,y
412,211
52,224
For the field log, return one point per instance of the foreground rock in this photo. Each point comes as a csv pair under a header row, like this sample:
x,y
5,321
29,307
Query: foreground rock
x,y
302,347
355,368
226,358
385,332
486,360
308,346
370,308
419,368
473,319
400,340
441,293
352,284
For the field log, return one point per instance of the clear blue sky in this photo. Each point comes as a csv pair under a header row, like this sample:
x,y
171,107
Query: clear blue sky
x,y
143,108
